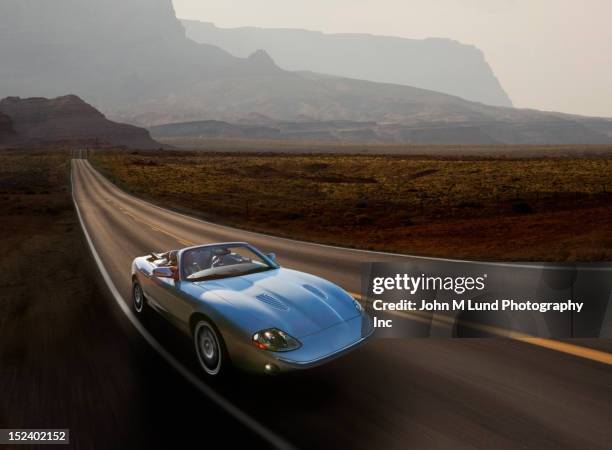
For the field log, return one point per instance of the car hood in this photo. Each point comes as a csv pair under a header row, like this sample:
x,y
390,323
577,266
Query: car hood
x,y
298,303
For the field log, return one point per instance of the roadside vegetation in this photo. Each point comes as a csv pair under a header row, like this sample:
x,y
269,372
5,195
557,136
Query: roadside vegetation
x,y
471,207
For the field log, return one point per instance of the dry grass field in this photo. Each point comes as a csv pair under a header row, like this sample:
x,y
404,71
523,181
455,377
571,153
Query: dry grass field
x,y
236,145
472,207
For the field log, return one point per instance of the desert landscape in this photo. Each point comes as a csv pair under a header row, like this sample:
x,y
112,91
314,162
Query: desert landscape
x,y
476,207
469,131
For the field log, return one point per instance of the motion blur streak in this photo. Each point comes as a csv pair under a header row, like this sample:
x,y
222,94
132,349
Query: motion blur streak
x,y
563,347
583,352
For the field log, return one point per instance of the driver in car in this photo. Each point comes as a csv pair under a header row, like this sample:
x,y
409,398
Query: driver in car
x,y
196,261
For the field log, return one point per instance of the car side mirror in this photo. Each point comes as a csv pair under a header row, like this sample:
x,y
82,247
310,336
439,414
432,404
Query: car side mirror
x,y
164,272
271,256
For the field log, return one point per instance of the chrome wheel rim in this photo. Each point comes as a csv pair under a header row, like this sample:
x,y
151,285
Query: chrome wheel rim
x,y
138,298
207,348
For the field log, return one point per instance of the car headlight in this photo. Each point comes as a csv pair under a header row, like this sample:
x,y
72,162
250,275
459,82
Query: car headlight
x,y
275,340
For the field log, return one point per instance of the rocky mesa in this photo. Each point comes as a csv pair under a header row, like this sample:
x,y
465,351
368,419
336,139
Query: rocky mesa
x,y
133,61
442,65
40,121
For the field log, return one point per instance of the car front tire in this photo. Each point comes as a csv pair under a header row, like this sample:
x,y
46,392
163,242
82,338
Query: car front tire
x,y
138,298
209,348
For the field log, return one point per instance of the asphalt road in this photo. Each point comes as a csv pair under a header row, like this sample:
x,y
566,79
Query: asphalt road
x,y
421,393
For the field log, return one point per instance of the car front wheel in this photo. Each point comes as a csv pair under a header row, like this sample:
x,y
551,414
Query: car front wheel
x,y
138,298
209,348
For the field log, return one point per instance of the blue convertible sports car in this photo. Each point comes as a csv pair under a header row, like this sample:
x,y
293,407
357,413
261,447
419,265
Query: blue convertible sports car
x,y
241,308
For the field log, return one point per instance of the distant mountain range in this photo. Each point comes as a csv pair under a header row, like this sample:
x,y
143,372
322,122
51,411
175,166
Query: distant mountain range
x,y
40,121
131,59
372,132
441,65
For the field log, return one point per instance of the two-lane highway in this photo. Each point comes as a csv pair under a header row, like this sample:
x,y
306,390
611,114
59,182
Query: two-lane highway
x,y
389,394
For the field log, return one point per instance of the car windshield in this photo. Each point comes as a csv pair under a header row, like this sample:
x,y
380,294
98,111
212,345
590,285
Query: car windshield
x,y
223,261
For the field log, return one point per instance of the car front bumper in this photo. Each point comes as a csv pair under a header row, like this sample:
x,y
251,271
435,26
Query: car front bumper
x,y
316,349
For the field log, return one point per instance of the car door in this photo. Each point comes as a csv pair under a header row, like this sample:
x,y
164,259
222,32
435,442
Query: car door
x,y
179,302
159,291
172,299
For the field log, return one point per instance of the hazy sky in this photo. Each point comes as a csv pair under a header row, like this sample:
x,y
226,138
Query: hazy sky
x,y
548,54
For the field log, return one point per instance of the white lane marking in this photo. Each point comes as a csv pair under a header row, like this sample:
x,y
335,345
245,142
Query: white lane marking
x,y
222,402
335,247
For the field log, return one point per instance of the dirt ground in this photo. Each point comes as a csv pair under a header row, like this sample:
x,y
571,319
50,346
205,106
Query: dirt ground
x,y
548,209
